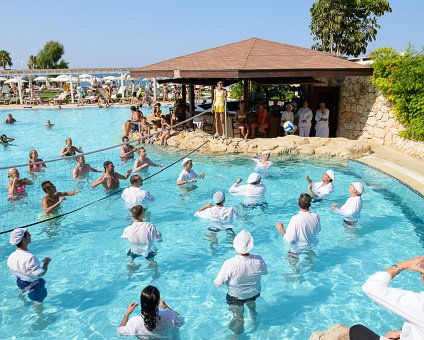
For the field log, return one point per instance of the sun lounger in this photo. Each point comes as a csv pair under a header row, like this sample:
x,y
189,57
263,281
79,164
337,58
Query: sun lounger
x,y
60,99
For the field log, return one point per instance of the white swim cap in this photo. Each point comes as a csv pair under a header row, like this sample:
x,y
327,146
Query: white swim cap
x,y
253,178
185,160
359,187
17,235
331,174
243,242
218,197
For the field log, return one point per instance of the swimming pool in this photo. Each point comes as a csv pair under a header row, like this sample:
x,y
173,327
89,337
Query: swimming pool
x,y
90,285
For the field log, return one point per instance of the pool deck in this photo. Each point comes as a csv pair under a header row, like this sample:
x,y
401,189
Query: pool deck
x,y
405,168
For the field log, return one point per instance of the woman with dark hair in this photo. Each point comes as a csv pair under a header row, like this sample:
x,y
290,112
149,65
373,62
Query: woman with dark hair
x,y
157,320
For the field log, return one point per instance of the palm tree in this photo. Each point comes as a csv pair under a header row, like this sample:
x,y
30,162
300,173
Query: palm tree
x,y
32,62
5,59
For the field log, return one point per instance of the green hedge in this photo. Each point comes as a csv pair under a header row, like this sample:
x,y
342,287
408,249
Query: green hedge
x,y
401,79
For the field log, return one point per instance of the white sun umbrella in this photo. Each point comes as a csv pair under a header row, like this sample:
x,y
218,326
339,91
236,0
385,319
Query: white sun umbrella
x,y
41,78
14,80
85,75
62,77
109,78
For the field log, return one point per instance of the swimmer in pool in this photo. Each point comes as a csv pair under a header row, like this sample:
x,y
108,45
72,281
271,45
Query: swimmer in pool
x,y
48,124
10,119
110,179
127,150
16,186
53,197
5,140
323,188
69,149
82,169
33,158
263,164
143,162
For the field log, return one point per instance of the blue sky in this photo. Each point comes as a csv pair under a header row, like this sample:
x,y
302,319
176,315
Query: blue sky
x,y
135,33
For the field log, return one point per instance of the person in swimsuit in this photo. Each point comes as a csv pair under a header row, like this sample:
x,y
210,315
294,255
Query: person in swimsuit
x,y
5,140
156,113
127,150
53,197
33,159
218,107
165,134
263,164
133,124
48,124
241,120
10,119
144,127
143,162
82,169
110,179
69,149
16,186
263,123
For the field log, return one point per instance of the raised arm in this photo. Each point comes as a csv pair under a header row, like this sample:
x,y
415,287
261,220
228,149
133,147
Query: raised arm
x,y
98,181
48,209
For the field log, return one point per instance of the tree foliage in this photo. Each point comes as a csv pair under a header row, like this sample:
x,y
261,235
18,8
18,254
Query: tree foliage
x,y
345,27
51,56
5,59
32,62
400,77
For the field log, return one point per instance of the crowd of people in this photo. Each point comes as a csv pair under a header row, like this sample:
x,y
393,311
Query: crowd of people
x,y
242,273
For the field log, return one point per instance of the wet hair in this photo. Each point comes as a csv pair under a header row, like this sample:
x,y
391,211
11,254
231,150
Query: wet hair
x,y
11,170
137,211
304,201
31,151
20,243
135,178
106,164
149,301
44,185
133,108
125,137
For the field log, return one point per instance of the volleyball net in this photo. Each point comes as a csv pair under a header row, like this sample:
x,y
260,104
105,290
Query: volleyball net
x,y
26,210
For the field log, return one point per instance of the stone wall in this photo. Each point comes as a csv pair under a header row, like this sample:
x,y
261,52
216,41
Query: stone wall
x,y
365,114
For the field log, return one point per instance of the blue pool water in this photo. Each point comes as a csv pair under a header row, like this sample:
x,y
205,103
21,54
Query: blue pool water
x,y
90,285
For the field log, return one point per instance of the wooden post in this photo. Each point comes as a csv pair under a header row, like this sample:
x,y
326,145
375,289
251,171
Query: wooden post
x,y
184,92
191,90
246,92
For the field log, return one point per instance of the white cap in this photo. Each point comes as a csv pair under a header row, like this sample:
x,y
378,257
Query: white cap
x,y
359,187
243,242
266,152
185,160
253,178
331,174
218,197
17,235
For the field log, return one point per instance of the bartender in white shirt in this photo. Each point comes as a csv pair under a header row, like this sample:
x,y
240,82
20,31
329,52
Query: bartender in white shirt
x,y
323,188
353,206
26,266
242,274
305,116
188,176
407,304
303,228
222,216
321,116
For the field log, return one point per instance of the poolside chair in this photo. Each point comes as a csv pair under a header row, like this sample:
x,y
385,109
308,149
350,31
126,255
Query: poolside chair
x,y
13,100
60,99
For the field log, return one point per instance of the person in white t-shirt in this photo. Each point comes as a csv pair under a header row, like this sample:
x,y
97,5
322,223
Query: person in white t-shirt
x,y
288,116
142,236
303,228
26,266
323,188
220,215
242,274
263,164
409,305
134,195
305,116
156,321
351,209
188,175
253,191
